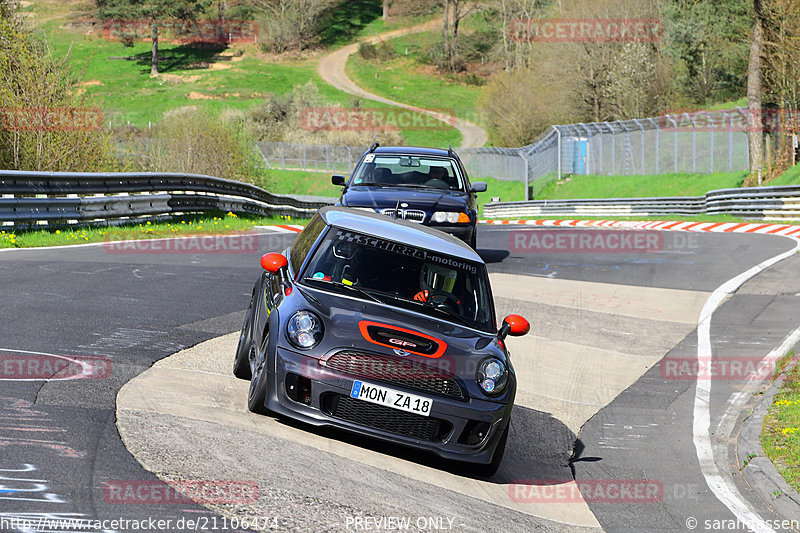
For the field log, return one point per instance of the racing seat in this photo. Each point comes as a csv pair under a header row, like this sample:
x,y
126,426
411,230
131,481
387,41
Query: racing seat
x,y
382,175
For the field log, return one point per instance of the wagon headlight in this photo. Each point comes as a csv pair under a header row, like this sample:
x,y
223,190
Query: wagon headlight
x,y
492,376
451,217
304,329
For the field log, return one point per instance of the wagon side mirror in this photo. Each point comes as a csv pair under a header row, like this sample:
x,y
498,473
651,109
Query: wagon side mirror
x,y
513,325
338,180
478,186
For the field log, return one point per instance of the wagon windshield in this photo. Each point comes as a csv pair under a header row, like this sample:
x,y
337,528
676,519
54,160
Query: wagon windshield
x,y
404,171
418,279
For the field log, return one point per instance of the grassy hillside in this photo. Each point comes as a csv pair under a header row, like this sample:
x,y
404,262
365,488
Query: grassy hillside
x,y
790,177
577,187
215,78
409,77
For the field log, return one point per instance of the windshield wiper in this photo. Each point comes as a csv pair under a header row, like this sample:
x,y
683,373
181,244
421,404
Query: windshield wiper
x,y
345,286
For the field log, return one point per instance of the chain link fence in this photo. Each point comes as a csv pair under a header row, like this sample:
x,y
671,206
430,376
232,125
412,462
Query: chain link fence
x,y
499,163
698,143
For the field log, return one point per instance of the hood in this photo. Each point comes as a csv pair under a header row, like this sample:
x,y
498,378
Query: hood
x,y
422,199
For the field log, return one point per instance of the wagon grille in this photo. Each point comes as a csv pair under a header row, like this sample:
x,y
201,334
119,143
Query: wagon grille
x,y
385,418
395,371
406,214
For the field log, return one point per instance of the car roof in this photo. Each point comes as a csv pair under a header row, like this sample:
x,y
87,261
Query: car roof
x,y
398,230
412,150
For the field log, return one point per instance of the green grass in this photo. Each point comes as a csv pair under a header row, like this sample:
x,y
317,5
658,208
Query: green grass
x,y
56,235
790,177
741,102
780,435
353,19
404,79
400,79
580,187
303,182
213,78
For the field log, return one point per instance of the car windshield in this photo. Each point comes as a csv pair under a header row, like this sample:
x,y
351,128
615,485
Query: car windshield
x,y
403,170
418,279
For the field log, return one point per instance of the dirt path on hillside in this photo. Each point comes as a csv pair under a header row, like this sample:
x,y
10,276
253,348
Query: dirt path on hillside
x,y
332,69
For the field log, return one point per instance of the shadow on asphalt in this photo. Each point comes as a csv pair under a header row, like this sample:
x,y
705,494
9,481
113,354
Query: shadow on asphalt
x,y
492,256
537,453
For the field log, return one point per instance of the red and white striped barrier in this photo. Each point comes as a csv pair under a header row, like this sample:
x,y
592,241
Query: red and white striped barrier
x,y
714,227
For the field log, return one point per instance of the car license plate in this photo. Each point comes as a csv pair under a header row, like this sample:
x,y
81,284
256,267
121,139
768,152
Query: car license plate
x,y
391,398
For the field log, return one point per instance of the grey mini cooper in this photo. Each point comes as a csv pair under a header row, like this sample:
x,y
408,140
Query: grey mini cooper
x,y
384,328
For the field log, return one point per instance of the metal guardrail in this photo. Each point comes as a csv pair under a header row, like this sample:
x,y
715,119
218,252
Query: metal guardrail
x,y
767,203
32,197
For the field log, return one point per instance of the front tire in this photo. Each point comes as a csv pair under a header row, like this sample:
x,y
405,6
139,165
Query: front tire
x,y
241,363
473,241
257,396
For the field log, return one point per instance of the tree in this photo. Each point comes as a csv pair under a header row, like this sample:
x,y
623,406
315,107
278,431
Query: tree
x,y
454,11
519,105
386,9
516,53
155,12
707,45
755,134
291,23
43,123
611,80
781,76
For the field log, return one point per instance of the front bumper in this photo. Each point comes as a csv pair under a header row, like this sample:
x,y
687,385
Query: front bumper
x,y
456,417
462,232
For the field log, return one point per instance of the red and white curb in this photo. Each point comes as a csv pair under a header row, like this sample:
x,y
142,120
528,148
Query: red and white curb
x,y
713,227
284,228
657,225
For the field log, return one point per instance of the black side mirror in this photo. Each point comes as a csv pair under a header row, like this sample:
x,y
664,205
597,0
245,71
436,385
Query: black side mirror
x,y
478,186
338,180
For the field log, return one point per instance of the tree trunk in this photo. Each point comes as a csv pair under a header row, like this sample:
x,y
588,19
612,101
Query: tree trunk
x,y
385,9
454,40
446,31
755,133
154,60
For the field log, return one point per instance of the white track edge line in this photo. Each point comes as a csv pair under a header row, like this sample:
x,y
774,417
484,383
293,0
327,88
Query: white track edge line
x,y
722,487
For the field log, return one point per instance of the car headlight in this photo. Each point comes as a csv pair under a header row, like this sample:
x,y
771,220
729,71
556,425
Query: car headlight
x,y
492,376
304,329
451,217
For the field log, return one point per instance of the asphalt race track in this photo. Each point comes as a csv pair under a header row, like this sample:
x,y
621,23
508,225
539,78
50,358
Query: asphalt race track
x,y
590,379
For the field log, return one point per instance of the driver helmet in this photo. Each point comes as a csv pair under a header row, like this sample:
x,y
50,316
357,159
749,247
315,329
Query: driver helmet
x,y
437,278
